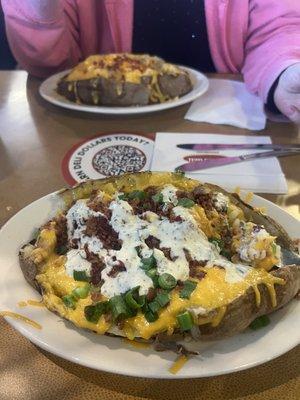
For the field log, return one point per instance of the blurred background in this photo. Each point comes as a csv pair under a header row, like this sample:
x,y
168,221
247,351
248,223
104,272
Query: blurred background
x,y
7,60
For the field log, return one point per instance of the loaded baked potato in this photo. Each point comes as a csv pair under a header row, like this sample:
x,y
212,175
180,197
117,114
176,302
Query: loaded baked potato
x,y
156,255
124,80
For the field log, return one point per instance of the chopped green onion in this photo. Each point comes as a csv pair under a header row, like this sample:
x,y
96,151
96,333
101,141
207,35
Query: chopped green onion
x,y
148,263
150,316
226,254
185,202
188,288
274,248
133,300
152,273
69,301
80,276
137,194
158,198
185,321
167,281
119,308
82,292
260,322
93,312
35,235
62,250
155,281
154,306
217,242
163,299
179,172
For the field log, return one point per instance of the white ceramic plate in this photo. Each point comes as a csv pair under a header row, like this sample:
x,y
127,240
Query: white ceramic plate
x,y
48,92
113,354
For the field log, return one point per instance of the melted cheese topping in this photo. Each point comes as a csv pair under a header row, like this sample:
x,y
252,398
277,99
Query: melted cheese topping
x,y
122,67
211,293
34,303
137,345
208,302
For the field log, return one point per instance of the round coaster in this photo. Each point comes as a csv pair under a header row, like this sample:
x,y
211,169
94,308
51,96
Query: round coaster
x,y
107,155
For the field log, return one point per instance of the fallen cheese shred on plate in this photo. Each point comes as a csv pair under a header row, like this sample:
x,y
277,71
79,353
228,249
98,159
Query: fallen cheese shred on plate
x,y
137,345
178,364
20,317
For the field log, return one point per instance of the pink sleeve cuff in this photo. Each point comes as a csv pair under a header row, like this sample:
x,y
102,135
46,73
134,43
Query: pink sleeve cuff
x,y
272,74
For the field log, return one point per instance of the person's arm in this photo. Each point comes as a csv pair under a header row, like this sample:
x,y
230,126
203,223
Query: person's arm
x,y
272,49
42,34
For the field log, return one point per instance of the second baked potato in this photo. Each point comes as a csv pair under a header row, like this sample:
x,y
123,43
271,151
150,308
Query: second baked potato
x,y
124,80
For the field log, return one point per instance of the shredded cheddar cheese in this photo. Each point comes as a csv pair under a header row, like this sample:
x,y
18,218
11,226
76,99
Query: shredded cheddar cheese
x,y
178,364
137,345
21,318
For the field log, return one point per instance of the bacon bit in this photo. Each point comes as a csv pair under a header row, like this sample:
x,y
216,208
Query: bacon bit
x,y
96,270
98,206
194,266
97,265
74,224
100,227
183,194
167,253
152,242
118,267
180,284
121,324
74,243
175,218
61,232
96,296
203,197
108,318
151,294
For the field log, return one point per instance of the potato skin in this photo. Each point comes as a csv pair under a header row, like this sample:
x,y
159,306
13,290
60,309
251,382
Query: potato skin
x,y
106,92
174,86
243,310
28,266
103,92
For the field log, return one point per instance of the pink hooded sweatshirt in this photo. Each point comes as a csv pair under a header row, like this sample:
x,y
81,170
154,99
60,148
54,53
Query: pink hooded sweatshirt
x,y
259,38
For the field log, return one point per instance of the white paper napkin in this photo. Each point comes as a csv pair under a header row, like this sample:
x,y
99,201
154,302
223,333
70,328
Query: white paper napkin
x,y
228,102
261,175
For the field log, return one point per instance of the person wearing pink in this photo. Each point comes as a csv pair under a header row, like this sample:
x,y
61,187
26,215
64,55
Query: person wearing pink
x,y
259,38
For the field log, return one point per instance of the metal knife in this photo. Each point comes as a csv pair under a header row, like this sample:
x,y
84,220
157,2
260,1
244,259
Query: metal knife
x,y
218,162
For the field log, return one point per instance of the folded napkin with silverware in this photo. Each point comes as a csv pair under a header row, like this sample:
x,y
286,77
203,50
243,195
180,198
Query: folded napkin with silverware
x,y
230,161
228,102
